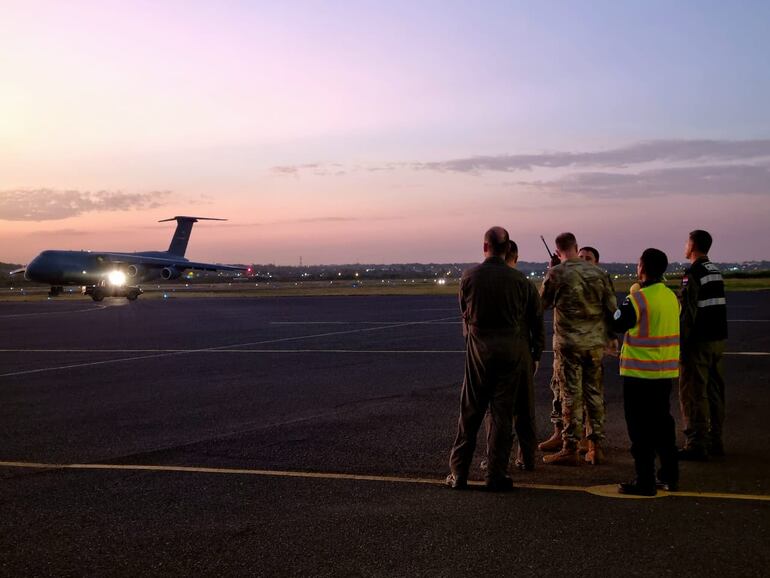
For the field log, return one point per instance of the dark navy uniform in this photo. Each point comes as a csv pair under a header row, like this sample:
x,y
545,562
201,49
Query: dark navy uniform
x,y
703,327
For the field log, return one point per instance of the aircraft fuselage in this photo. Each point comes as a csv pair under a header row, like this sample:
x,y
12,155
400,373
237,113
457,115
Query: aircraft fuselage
x,y
59,268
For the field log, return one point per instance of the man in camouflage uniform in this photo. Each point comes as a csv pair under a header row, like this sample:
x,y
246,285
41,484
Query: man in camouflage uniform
x,y
555,442
584,304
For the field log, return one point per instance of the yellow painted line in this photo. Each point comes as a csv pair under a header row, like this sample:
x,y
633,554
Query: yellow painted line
x,y
607,491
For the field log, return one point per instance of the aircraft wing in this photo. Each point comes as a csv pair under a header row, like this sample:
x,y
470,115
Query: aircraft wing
x,y
180,264
18,271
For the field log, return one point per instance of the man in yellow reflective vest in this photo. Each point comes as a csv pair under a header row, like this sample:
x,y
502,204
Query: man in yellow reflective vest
x,y
649,363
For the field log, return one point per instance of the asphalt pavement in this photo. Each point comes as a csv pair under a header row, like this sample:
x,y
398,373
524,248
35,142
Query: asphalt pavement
x,y
309,436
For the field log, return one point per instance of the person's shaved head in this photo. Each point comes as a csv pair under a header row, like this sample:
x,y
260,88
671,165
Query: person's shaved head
x,y
566,242
496,241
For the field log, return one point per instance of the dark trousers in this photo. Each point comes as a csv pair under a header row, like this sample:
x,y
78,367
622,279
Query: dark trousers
x,y
524,416
702,393
651,428
493,368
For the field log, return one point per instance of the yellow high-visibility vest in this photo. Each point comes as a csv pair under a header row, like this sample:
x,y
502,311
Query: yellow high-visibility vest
x,y
651,348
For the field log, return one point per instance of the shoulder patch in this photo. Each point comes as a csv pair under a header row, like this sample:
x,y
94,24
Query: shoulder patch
x,y
618,313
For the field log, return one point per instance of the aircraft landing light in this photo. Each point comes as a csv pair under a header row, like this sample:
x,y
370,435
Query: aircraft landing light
x,y
117,278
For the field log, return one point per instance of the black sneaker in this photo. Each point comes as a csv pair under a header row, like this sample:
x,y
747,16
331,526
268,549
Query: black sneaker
x,y
692,455
499,485
456,483
636,489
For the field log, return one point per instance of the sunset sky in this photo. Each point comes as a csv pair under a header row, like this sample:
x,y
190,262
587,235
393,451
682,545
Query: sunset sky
x,y
384,132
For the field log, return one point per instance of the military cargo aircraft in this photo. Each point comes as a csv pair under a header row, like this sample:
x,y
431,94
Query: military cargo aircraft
x,y
107,274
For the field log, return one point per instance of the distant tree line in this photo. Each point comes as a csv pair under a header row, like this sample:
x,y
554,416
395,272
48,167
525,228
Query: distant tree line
x,y
410,271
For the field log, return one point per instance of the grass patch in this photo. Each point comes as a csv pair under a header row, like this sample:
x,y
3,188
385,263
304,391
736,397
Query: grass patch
x,y
321,288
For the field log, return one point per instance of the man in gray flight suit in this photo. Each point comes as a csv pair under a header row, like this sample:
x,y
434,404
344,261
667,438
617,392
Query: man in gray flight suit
x,y
501,311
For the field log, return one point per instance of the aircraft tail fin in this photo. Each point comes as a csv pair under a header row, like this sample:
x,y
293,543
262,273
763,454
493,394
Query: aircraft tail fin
x,y
181,236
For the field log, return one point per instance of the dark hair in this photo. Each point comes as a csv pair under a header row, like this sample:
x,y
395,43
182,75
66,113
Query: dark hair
x,y
591,250
701,240
654,262
497,239
566,241
513,248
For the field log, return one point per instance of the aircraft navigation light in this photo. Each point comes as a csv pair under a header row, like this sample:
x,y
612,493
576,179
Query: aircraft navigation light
x,y
117,278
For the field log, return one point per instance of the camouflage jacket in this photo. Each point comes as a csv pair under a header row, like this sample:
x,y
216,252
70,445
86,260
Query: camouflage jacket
x,y
584,304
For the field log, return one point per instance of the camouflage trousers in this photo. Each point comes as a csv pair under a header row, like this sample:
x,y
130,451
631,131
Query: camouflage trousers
x,y
556,414
579,377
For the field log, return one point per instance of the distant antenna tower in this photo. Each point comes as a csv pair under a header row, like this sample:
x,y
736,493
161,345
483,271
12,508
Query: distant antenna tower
x,y
300,260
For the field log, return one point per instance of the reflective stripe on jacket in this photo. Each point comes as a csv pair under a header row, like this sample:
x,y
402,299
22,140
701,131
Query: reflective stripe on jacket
x,y
651,347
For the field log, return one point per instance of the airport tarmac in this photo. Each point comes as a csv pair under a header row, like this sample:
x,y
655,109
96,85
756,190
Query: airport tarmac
x,y
310,436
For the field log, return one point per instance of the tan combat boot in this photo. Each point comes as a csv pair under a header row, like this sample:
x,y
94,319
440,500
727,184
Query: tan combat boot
x,y
595,454
568,456
553,443
583,446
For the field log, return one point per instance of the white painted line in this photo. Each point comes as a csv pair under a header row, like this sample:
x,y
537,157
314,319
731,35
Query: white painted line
x,y
43,313
363,322
206,349
219,350
453,351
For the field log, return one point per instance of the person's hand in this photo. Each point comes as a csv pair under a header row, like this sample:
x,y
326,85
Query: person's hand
x,y
612,348
555,260
536,365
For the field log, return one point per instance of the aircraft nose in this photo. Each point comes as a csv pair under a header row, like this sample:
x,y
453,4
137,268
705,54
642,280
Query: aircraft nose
x,y
36,269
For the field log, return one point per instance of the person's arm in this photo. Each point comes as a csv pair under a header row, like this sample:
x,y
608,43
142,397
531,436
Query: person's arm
x,y
536,324
689,305
463,306
625,317
610,306
548,291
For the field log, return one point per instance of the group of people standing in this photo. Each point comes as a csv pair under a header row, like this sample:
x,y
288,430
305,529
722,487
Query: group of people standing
x,y
665,337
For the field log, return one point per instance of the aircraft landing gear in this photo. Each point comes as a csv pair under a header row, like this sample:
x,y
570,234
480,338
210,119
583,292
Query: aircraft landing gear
x,y
99,292
55,291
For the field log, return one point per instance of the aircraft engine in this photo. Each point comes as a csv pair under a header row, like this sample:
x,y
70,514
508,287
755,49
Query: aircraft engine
x,y
168,273
135,271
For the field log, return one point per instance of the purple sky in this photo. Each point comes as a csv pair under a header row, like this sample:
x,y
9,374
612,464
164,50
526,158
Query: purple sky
x,y
383,132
